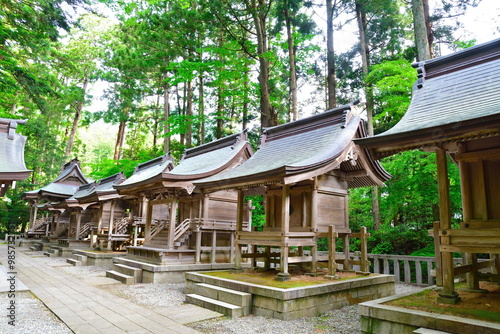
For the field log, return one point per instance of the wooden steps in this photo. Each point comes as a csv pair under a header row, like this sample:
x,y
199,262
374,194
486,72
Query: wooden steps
x,y
229,302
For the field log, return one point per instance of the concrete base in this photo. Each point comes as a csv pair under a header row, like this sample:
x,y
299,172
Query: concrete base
x,y
99,259
293,303
378,318
172,273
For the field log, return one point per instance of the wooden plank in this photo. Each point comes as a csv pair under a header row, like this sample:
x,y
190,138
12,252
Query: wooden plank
x,y
489,249
475,155
490,232
332,265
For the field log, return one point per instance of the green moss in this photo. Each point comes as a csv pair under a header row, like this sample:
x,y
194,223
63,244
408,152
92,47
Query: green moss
x,y
270,281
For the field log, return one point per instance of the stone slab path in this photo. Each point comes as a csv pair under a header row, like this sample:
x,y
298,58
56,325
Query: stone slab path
x,y
87,309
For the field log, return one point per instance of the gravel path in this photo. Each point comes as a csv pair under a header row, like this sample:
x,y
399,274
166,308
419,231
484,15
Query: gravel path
x,y
34,315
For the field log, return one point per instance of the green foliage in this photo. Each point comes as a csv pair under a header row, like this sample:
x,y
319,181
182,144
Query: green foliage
x,y
259,213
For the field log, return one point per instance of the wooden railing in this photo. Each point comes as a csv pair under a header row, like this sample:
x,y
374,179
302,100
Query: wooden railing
x,y
63,227
38,225
120,226
158,226
408,269
182,228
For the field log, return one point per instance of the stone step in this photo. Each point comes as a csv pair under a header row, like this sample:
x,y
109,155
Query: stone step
x,y
49,254
229,310
423,330
129,271
125,279
74,262
234,297
81,258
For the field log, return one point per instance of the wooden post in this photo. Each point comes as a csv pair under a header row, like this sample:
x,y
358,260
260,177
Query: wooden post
x,y
198,245
283,275
239,228
364,263
448,295
437,253
149,218
78,221
172,223
111,224
332,264
99,218
347,262
214,245
314,205
58,221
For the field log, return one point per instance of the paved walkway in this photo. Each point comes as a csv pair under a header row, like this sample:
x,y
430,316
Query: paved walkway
x,y
87,309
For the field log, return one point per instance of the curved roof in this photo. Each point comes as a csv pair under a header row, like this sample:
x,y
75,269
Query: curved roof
x,y
210,158
147,172
304,146
454,95
12,165
65,185
100,190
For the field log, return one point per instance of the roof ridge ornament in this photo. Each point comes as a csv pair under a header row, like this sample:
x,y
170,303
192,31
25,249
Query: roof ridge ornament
x,y
421,74
348,113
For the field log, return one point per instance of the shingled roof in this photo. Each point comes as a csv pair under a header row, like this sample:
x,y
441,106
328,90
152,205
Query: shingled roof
x,y
302,149
64,186
12,166
100,190
455,97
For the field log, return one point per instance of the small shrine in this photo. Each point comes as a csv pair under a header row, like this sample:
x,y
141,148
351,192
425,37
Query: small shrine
x,y
12,166
304,169
455,112
51,200
181,224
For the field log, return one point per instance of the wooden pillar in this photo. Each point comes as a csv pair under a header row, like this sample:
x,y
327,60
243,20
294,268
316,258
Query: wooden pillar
x,y
364,263
58,221
172,223
35,213
149,218
332,264
78,221
198,245
283,275
99,218
239,228
448,295
214,245
347,262
314,205
437,254
111,225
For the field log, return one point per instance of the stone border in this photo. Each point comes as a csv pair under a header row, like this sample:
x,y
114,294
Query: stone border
x,y
378,318
293,303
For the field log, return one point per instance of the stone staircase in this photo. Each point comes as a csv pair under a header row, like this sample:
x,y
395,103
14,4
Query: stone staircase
x,y
229,302
77,260
125,273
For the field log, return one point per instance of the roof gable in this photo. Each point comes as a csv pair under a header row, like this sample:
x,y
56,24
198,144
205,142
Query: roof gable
x,y
454,95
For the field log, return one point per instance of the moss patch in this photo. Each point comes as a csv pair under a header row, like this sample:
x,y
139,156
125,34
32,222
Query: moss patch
x,y
480,306
267,277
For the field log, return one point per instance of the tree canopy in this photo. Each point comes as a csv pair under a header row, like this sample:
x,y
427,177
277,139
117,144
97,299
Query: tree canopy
x,y
175,74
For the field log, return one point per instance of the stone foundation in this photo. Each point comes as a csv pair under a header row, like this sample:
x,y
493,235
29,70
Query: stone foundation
x,y
293,303
378,318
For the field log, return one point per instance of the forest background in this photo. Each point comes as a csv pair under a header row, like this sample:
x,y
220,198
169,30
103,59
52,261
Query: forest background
x,y
173,74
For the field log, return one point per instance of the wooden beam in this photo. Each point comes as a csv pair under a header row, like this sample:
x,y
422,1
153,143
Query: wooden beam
x,y
448,295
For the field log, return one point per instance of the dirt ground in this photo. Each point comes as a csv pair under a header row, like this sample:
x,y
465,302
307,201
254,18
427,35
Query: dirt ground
x,y
482,306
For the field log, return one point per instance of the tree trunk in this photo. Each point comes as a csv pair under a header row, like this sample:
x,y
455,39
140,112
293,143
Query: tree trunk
x,y
166,115
330,56
189,114
293,73
428,26
78,112
420,30
119,140
219,113
268,116
201,111
365,58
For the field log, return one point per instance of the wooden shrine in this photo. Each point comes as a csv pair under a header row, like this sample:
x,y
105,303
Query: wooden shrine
x,y
455,111
181,223
12,166
110,221
304,169
51,199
